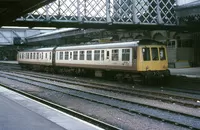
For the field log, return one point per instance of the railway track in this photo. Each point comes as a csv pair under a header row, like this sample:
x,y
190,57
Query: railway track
x,y
173,117
160,96
84,117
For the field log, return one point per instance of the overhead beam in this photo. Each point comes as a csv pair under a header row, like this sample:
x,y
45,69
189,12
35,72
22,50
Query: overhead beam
x,y
178,28
21,8
9,3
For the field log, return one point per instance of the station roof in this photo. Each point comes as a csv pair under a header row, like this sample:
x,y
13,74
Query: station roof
x,y
13,9
189,9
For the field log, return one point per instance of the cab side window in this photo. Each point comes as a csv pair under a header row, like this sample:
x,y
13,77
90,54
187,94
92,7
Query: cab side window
x,y
162,53
146,54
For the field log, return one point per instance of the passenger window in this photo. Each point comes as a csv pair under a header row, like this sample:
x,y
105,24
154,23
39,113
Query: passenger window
x,y
45,55
42,55
162,53
115,55
102,55
37,55
146,54
75,57
66,55
61,55
154,52
81,55
97,55
50,55
89,55
125,54
31,56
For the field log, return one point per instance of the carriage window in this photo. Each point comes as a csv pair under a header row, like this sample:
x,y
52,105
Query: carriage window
x,y
102,55
115,55
89,55
82,53
97,55
50,55
37,55
75,55
154,52
45,55
42,55
162,53
28,55
66,55
61,55
31,55
125,54
146,54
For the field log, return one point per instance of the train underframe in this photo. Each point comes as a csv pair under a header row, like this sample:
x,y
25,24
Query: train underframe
x,y
144,77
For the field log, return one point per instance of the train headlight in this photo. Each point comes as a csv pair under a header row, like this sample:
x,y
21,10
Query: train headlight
x,y
147,67
165,66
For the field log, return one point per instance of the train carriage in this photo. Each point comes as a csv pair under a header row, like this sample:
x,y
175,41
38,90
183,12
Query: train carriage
x,y
146,59
35,58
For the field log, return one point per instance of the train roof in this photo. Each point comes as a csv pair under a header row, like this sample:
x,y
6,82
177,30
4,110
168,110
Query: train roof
x,y
111,45
101,46
39,49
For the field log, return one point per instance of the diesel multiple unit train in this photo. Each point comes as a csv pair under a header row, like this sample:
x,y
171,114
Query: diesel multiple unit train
x,y
142,59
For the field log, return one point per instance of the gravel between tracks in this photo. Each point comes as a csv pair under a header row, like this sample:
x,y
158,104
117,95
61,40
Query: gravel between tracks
x,y
155,103
111,115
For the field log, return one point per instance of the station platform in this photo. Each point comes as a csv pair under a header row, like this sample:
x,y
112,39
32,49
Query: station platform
x,y
9,62
187,72
18,112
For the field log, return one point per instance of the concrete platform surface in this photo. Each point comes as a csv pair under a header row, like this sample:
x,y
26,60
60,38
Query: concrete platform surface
x,y
18,112
188,72
9,62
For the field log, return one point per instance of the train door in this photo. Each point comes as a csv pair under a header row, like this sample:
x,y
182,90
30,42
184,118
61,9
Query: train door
x,y
108,55
52,56
70,55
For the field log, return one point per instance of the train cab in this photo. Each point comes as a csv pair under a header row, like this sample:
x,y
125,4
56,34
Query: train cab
x,y
153,61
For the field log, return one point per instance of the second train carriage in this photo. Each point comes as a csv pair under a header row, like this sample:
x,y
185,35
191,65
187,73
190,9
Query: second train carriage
x,y
145,57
